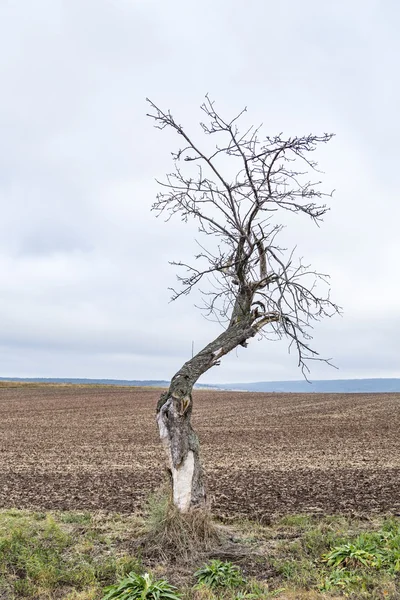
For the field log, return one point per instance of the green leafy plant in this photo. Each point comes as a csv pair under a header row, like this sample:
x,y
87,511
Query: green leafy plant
x,y
141,587
339,578
389,552
220,574
394,559
356,563
350,555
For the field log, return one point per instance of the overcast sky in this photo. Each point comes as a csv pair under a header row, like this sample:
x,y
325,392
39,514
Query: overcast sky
x,y
84,263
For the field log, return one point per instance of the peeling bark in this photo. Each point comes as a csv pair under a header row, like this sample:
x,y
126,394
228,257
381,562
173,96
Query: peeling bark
x,y
182,449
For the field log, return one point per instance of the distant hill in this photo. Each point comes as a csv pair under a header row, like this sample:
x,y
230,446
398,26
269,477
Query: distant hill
x,y
150,383
344,386
123,382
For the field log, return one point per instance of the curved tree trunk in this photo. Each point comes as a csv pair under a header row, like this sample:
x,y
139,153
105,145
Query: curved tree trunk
x,y
182,448
174,410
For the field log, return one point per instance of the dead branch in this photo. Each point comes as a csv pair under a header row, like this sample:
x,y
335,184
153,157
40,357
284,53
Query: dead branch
x,y
254,281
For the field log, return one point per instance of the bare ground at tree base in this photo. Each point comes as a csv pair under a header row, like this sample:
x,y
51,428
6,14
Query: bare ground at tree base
x,y
97,448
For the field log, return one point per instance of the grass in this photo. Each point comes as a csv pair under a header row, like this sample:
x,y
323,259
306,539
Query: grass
x,y
70,555
176,537
75,555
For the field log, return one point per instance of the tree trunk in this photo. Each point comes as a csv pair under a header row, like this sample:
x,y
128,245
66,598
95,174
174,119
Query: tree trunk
x,y
174,411
182,448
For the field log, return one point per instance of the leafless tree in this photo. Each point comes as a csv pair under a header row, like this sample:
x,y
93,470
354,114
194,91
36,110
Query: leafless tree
x,y
237,191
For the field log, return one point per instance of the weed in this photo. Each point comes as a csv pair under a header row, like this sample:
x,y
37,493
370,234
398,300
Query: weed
x,y
350,555
380,550
217,574
339,579
141,587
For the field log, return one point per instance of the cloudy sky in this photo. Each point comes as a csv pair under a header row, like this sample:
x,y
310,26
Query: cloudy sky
x,y
84,263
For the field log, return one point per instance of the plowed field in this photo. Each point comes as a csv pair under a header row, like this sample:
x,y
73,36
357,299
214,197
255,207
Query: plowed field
x,y
67,447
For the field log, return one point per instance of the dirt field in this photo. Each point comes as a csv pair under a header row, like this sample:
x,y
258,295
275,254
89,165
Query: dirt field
x,y
97,448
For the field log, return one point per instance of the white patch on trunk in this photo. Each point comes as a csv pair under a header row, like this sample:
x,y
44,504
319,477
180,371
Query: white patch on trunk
x,y
162,427
182,480
182,476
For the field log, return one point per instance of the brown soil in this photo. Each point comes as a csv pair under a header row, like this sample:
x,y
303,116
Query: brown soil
x,y
76,447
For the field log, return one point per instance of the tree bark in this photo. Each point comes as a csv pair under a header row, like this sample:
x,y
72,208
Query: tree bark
x,y
182,449
174,410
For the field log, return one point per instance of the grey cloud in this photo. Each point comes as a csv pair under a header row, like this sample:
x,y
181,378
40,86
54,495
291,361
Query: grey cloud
x,y
84,264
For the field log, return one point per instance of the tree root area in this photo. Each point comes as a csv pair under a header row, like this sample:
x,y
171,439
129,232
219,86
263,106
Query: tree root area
x,y
96,448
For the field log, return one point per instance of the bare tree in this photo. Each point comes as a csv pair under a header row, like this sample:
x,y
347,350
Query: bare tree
x,y
253,285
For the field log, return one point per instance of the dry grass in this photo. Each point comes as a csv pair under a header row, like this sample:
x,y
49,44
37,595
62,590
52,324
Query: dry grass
x,y
173,536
